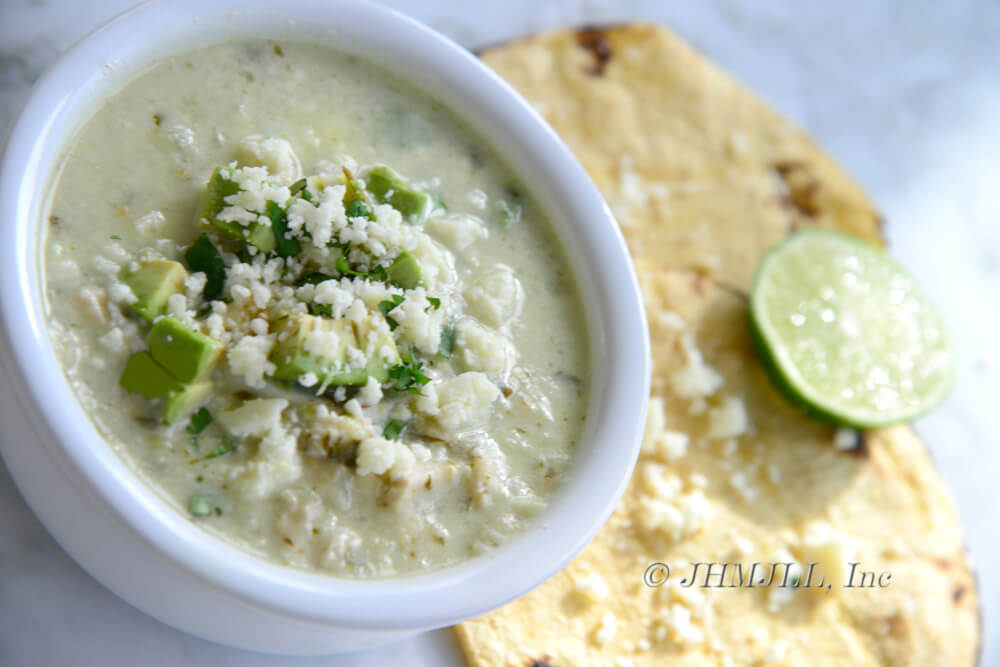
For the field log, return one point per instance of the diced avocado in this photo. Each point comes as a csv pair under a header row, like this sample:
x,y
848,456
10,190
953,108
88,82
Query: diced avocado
x,y
153,283
144,376
180,404
218,188
379,348
293,361
291,358
390,188
405,271
186,354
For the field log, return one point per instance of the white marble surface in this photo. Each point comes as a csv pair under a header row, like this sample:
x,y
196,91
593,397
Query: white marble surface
x,y
906,95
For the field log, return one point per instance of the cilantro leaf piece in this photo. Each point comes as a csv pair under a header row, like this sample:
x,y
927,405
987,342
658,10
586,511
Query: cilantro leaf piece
x,y
434,301
393,429
199,422
223,447
386,306
447,345
321,310
408,375
313,278
285,246
204,257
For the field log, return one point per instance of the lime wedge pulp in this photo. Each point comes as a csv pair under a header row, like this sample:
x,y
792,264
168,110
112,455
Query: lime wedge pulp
x,y
845,332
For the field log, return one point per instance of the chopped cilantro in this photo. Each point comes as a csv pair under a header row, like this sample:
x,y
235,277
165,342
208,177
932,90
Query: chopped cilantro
x,y
321,310
313,278
223,447
279,224
386,307
447,345
297,187
205,258
408,375
434,301
377,274
199,422
115,237
393,429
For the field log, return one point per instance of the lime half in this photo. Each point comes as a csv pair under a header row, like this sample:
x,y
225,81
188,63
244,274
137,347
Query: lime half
x,y
845,331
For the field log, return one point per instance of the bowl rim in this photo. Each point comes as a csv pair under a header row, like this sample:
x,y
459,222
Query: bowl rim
x,y
619,338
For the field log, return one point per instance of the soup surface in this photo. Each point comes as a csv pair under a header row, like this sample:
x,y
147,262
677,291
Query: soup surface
x,y
313,312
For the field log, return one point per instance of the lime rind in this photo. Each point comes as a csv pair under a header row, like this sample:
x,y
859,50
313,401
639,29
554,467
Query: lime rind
x,y
844,332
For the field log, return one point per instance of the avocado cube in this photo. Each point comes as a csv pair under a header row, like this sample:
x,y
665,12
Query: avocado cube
x,y
180,404
144,376
186,354
291,358
405,271
220,186
153,283
379,348
390,188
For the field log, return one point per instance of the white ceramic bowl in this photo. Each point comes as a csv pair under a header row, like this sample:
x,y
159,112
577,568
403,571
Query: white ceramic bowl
x,y
122,532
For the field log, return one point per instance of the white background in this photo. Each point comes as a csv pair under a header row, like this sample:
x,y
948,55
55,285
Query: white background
x,y
905,94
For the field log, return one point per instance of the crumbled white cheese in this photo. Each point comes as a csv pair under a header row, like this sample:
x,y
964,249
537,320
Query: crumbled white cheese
x,y
113,341
248,359
377,455
177,305
830,550
696,379
277,464
371,393
728,420
151,224
308,380
674,518
676,623
452,406
741,484
456,230
418,322
593,587
606,630
194,285
776,654
121,294
479,348
779,595
495,297
256,417
657,439
478,199
273,153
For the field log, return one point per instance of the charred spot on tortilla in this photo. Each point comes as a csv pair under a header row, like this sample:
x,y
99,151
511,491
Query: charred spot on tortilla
x,y
860,448
544,661
799,188
596,41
